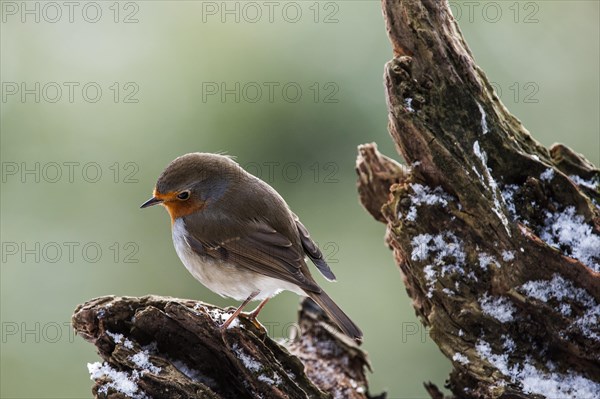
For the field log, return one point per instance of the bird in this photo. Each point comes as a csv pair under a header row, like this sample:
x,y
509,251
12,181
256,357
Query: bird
x,y
239,238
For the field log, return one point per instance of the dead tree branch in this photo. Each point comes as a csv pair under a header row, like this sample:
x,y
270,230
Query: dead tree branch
x,y
162,347
496,236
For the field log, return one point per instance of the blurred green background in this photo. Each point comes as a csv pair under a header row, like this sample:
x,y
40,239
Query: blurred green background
x,y
147,85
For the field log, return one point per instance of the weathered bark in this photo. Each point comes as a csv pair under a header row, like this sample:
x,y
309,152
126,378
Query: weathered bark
x,y
496,236
173,348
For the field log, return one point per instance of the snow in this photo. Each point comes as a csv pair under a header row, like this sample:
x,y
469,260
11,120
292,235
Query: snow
x,y
591,184
248,361
485,260
152,347
491,185
192,374
121,381
507,256
547,175
117,338
484,125
508,196
568,232
558,289
234,323
199,308
142,360
412,214
509,344
255,366
442,245
500,308
430,276
565,309
446,251
425,195
480,154
276,380
564,230
477,173
189,372
220,317
534,381
460,358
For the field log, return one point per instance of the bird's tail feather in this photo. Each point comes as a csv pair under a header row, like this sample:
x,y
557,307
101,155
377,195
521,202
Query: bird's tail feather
x,y
336,314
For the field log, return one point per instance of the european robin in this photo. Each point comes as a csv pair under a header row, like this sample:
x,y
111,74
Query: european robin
x,y
237,236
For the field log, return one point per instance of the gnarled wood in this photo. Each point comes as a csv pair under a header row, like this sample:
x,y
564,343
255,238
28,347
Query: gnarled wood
x,y
497,237
173,348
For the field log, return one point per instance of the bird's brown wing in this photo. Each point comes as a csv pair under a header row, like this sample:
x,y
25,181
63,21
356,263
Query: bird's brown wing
x,y
313,251
263,250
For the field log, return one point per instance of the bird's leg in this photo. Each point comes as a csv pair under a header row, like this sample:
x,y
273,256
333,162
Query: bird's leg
x,y
238,310
254,314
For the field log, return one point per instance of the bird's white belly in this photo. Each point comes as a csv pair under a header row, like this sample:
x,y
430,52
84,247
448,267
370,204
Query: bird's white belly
x,y
224,278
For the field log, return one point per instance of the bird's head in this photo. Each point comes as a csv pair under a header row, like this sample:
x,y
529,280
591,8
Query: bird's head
x,y
192,182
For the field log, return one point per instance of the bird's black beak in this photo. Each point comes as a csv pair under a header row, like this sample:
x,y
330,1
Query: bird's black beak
x,y
150,202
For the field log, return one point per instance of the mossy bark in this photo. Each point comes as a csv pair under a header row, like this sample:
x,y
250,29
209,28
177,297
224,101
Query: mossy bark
x,y
454,133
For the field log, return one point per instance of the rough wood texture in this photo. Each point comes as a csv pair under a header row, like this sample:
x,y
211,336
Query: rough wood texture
x,y
496,236
158,347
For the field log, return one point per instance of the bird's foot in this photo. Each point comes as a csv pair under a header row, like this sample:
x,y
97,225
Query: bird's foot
x,y
237,312
251,317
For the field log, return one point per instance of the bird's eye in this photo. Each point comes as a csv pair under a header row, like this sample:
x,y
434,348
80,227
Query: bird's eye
x,y
183,195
